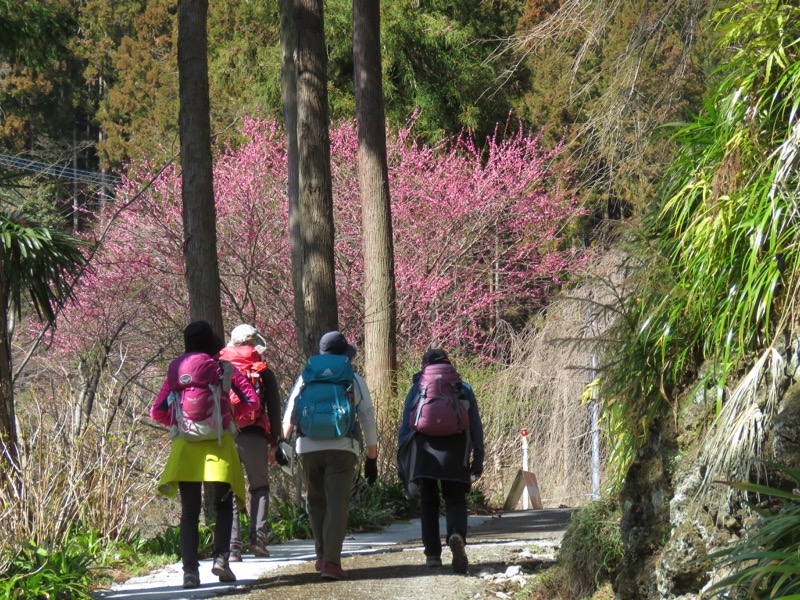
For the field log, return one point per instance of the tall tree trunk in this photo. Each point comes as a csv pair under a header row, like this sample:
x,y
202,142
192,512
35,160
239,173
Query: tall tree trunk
x,y
314,177
199,212
197,193
8,415
289,101
380,315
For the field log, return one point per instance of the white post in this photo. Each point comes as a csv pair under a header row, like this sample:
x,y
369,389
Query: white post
x,y
525,497
594,411
594,415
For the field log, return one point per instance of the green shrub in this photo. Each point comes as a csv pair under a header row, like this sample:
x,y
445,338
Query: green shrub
x,y
552,583
476,501
373,508
719,260
37,572
166,542
591,551
289,521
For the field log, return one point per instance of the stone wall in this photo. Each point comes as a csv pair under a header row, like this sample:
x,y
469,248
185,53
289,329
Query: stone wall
x,y
672,517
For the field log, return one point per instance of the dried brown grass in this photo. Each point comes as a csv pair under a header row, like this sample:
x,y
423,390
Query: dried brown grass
x,y
61,485
547,368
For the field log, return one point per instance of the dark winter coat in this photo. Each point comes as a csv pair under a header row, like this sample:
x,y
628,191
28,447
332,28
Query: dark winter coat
x,y
447,458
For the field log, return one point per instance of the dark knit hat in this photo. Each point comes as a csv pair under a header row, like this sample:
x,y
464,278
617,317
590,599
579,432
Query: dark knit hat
x,y
334,342
199,337
435,356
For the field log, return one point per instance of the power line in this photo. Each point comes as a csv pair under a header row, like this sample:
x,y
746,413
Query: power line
x,y
58,171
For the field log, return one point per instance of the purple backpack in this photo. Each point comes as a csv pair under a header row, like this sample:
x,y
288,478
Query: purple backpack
x,y
200,410
441,408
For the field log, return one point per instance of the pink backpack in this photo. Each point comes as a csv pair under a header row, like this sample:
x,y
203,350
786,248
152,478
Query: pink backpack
x,y
200,410
441,408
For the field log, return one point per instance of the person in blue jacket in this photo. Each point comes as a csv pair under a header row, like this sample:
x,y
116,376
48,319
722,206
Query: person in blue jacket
x,y
428,463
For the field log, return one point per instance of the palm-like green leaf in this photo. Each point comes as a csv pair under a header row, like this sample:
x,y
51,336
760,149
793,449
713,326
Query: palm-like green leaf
x,y
766,563
722,261
39,264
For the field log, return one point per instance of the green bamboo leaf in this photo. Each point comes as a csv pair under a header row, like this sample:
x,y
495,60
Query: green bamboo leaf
x,y
761,489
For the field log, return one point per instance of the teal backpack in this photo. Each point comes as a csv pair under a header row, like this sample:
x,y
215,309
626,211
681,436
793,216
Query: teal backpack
x,y
323,409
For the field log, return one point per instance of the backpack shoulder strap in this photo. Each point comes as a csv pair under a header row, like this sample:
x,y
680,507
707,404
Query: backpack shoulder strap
x,y
357,393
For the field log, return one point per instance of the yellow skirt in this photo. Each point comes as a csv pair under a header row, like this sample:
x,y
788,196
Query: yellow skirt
x,y
203,461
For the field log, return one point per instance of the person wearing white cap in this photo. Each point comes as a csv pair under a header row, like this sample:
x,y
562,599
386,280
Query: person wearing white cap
x,y
258,432
328,451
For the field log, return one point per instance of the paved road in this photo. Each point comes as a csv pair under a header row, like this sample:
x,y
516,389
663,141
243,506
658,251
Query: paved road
x,y
375,559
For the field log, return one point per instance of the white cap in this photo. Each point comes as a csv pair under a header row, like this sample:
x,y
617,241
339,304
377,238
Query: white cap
x,y
245,334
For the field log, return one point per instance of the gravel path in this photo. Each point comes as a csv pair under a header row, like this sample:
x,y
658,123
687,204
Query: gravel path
x,y
504,553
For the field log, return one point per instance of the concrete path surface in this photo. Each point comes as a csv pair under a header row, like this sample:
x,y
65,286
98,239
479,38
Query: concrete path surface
x,y
401,542
166,583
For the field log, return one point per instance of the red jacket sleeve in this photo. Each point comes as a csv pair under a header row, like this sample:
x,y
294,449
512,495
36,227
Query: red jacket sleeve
x,y
160,410
244,398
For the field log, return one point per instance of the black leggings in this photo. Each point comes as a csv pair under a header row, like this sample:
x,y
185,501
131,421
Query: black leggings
x,y
455,504
191,505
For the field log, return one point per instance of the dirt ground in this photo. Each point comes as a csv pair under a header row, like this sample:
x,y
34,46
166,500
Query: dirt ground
x,y
495,548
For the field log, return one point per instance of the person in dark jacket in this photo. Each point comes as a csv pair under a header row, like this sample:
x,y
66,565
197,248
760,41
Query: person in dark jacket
x,y
428,463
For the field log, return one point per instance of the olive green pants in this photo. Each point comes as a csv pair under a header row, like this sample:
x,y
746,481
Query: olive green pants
x,y
328,477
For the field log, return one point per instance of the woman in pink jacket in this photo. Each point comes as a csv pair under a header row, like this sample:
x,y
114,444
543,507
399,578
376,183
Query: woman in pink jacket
x,y
194,460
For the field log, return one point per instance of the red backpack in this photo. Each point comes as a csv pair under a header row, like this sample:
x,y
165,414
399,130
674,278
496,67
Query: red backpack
x,y
248,362
200,410
441,408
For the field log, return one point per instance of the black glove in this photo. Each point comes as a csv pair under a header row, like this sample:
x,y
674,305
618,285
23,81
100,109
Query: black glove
x,y
477,469
280,457
371,470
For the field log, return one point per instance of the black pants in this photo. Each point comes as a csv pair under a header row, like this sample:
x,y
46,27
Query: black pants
x,y
455,502
191,505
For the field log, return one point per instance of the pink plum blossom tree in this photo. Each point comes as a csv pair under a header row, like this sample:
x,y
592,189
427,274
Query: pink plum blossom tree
x,y
480,236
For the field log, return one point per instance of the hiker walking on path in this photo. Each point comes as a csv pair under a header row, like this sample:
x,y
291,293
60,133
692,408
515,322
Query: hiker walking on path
x,y
330,407
257,434
195,405
441,428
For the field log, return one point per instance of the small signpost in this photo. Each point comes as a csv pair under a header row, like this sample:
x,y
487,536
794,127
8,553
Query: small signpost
x,y
524,433
524,481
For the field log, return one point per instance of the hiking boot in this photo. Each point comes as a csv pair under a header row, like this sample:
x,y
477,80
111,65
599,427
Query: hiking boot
x,y
191,580
259,549
318,565
433,561
460,562
332,571
235,555
222,569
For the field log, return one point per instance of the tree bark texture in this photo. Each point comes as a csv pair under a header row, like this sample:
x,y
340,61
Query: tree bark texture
x,y
199,212
8,415
314,177
380,316
289,102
